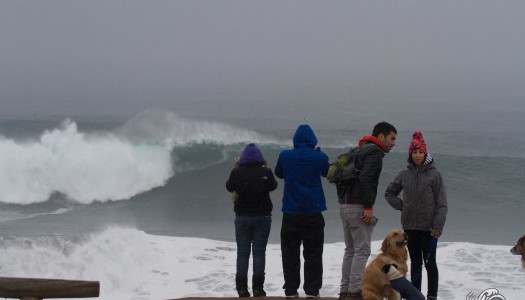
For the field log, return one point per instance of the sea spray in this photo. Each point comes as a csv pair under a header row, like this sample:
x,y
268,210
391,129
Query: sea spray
x,y
111,165
117,257
156,125
84,167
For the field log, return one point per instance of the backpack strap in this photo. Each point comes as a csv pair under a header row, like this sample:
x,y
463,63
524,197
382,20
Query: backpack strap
x,y
365,145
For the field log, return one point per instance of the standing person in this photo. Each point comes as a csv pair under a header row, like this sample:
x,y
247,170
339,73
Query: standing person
x,y
356,201
251,182
423,211
303,201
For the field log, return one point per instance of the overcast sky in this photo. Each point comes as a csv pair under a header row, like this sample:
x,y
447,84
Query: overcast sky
x,y
108,47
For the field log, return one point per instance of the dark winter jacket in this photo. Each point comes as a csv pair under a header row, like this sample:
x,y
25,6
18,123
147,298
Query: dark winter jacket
x,y
302,168
369,161
253,183
424,203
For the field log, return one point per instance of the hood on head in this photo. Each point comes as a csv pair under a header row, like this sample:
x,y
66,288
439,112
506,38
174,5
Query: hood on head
x,y
304,137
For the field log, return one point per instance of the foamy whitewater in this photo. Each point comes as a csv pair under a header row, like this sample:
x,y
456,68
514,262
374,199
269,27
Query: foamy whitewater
x,y
133,265
134,159
140,205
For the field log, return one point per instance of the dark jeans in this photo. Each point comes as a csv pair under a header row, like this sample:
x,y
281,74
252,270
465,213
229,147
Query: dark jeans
x,y
308,230
420,243
251,233
406,289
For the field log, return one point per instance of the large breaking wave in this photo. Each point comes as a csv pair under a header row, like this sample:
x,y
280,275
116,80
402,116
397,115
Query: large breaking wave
x,y
105,166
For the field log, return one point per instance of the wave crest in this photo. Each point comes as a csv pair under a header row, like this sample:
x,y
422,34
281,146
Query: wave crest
x,y
83,167
107,166
155,125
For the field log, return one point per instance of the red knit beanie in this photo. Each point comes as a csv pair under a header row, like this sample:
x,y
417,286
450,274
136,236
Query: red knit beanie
x,y
417,143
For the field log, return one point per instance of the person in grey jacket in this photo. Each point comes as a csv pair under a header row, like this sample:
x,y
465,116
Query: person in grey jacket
x,y
423,211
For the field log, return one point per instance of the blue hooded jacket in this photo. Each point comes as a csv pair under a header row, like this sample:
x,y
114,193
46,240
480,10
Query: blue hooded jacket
x,y
302,168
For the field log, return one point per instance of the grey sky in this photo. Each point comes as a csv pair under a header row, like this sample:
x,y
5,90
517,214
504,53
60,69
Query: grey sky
x,y
399,48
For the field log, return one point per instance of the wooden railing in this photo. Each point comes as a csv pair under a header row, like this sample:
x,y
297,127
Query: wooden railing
x,y
38,289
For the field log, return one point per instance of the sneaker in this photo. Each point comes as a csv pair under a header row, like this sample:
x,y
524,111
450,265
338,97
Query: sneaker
x,y
290,294
312,296
431,298
343,295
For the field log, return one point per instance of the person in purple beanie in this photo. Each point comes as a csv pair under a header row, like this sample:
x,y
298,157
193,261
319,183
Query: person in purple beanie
x,y
250,183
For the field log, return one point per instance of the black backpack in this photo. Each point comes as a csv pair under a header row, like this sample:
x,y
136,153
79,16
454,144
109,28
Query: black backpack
x,y
343,169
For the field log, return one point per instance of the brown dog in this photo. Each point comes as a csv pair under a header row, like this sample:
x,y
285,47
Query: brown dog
x,y
375,284
519,249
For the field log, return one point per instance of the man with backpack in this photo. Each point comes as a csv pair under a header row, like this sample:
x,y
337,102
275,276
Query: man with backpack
x,y
356,198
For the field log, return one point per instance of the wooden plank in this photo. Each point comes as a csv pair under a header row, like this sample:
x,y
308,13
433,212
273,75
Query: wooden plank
x,y
12,287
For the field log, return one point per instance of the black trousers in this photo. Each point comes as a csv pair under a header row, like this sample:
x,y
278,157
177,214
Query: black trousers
x,y
307,230
422,250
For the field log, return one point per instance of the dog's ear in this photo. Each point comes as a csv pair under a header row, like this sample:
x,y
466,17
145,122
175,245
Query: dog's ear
x,y
385,245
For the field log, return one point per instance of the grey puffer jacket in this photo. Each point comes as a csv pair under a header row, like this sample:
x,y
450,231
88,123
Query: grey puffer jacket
x,y
424,203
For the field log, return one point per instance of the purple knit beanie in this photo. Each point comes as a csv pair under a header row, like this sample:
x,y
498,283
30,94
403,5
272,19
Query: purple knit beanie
x,y
251,154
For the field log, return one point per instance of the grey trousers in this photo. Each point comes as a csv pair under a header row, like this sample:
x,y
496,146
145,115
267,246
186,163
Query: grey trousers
x,y
358,236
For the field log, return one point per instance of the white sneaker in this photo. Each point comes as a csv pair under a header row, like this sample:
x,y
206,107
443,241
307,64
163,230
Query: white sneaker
x,y
312,296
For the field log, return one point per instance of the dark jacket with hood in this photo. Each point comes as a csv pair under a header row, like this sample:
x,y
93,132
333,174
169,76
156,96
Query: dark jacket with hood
x,y
252,182
369,161
424,203
302,168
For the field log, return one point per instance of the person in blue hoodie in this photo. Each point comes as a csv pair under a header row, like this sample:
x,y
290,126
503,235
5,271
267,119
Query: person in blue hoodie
x,y
303,203
251,182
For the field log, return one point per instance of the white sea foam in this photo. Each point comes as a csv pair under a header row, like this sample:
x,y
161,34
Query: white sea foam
x,y
108,166
84,167
133,265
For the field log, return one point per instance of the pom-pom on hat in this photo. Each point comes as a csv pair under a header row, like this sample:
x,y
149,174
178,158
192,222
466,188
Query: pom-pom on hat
x,y
417,143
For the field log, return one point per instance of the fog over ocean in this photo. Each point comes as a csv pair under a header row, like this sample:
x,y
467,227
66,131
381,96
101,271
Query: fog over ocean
x,y
119,122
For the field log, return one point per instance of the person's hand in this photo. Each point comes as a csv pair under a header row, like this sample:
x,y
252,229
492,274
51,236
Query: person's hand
x,y
367,216
435,233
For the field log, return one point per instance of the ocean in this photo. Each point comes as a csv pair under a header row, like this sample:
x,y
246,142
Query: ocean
x,y
139,202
